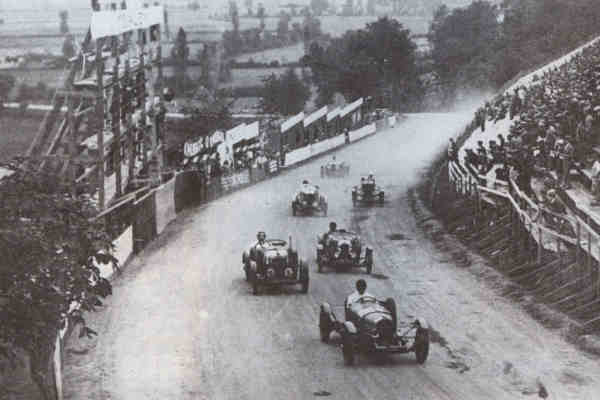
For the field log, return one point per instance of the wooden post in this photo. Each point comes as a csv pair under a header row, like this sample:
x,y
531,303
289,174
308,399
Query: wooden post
x,y
578,248
540,248
142,87
72,147
130,128
157,126
116,115
100,115
589,255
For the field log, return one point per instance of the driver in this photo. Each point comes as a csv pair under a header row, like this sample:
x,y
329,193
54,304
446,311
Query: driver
x,y
332,228
361,291
371,178
261,238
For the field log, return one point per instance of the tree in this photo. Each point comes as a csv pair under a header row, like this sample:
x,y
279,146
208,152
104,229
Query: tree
x,y
261,14
64,23
180,54
211,112
463,43
319,6
371,62
68,47
371,7
283,27
7,82
50,244
234,15
249,5
284,95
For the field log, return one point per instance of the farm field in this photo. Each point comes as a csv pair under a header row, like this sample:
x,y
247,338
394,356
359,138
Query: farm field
x,y
283,55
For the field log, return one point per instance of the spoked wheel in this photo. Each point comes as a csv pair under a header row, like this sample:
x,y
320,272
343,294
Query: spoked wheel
x,y
304,284
348,348
390,305
369,260
324,326
422,345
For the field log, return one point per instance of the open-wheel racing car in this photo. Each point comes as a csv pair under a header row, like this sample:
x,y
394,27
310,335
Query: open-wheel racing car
x,y
340,248
335,169
367,192
273,262
308,199
371,326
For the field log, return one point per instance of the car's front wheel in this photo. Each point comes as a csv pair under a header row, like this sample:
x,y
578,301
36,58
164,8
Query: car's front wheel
x,y
422,345
324,326
348,348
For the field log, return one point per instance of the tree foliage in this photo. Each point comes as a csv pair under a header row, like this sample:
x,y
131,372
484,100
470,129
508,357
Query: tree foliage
x,y
319,6
284,95
49,246
180,54
376,61
484,45
7,82
464,42
64,21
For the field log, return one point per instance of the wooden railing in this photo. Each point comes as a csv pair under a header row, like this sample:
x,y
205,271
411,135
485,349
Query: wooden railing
x,y
534,217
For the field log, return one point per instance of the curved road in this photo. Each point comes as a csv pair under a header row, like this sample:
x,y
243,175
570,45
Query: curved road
x,y
183,324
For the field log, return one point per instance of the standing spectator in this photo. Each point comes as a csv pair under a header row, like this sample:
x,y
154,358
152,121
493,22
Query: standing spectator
x,y
482,154
452,151
596,182
549,145
566,159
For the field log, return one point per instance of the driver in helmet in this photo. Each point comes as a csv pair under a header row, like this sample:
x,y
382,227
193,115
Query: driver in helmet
x,y
261,239
371,178
332,228
356,296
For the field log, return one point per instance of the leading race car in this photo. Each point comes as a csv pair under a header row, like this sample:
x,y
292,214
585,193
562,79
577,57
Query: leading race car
x,y
340,248
308,200
371,326
335,168
368,192
273,262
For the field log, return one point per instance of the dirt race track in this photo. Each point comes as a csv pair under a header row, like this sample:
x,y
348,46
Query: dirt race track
x,y
183,323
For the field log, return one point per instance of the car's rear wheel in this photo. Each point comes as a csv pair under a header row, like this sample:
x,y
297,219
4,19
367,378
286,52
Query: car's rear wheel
x,y
304,279
348,348
369,260
422,345
324,326
390,305
246,268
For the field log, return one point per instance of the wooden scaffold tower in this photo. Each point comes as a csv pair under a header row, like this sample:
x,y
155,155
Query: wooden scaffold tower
x,y
104,128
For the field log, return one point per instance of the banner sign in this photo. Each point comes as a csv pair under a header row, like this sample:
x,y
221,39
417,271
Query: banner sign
x,y
191,149
315,116
333,113
351,107
292,122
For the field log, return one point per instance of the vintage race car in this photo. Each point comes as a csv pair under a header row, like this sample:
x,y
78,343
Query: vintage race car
x,y
274,263
371,326
367,193
335,169
342,248
309,200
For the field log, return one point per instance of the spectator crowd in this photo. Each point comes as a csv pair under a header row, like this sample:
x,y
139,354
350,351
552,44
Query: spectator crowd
x,y
555,126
